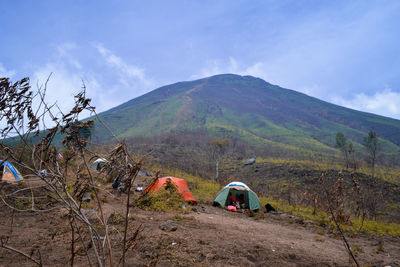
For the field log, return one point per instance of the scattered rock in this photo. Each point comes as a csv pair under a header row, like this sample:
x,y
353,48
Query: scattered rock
x,y
144,173
202,242
168,226
90,212
283,215
292,256
250,161
87,197
212,256
64,212
201,257
299,221
251,258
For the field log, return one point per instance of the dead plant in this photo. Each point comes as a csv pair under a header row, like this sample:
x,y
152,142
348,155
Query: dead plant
x,y
33,134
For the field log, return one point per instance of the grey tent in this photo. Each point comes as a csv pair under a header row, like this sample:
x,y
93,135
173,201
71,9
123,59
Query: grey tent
x,y
237,188
98,164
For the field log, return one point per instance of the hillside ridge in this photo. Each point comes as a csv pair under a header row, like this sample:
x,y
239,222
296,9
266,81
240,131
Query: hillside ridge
x,y
231,103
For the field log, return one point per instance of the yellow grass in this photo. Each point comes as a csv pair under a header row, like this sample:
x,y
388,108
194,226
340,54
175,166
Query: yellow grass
x,y
391,175
324,219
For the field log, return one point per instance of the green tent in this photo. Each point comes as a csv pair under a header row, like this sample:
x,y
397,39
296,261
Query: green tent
x,y
237,188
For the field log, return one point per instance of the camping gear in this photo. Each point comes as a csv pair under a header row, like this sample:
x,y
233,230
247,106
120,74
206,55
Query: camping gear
x,y
43,173
9,173
115,183
139,189
98,164
269,208
232,208
237,188
180,184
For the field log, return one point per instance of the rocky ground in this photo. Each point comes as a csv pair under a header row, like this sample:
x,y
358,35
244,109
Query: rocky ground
x,y
205,236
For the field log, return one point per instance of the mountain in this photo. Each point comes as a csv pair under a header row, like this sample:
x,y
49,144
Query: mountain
x,y
247,108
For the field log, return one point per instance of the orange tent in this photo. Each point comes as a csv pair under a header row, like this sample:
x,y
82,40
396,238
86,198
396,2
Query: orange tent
x,y
180,184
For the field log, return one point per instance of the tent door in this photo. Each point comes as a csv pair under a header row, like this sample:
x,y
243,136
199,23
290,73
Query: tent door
x,y
8,176
235,194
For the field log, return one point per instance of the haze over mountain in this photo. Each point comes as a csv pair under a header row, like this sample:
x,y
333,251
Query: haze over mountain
x,y
247,108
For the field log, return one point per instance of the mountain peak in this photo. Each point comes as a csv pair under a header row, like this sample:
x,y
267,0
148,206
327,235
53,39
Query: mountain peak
x,y
233,77
248,108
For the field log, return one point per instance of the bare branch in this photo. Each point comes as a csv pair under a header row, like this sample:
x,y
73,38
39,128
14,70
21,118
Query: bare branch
x,y
5,246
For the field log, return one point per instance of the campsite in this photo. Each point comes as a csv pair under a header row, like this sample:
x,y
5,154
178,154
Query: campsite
x,y
200,133
184,199
206,235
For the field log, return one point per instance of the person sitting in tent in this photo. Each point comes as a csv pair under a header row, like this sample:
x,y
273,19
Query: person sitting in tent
x,y
250,198
236,202
240,201
232,199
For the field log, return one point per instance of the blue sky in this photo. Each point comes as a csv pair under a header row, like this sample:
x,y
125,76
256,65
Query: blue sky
x,y
345,52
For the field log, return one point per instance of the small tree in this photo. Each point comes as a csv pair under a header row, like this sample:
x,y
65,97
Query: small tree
x,y
217,150
342,144
352,154
372,146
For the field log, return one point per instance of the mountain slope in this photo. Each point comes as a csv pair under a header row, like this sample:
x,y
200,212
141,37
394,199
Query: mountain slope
x,y
249,108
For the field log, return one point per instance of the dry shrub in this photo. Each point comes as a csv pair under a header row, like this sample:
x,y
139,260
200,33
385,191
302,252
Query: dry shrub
x,y
168,199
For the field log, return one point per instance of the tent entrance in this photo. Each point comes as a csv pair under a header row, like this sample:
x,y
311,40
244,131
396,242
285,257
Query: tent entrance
x,y
7,175
236,195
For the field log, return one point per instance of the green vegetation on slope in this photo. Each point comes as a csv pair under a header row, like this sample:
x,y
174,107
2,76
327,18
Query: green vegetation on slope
x,y
264,112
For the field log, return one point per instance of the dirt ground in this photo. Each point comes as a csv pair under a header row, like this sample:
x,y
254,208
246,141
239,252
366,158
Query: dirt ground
x,y
206,236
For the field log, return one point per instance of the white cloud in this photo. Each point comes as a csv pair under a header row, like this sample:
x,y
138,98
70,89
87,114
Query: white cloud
x,y
6,73
384,103
107,86
66,80
62,86
65,53
126,71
